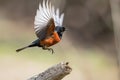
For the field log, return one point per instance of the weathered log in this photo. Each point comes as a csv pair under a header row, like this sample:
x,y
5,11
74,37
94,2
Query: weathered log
x,y
56,72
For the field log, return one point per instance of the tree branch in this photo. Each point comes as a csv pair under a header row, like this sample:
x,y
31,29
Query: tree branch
x,y
56,72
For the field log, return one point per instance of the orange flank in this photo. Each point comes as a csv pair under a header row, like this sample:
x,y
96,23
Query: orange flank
x,y
51,40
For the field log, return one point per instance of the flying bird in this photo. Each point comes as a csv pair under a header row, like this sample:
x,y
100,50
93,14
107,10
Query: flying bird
x,y
48,27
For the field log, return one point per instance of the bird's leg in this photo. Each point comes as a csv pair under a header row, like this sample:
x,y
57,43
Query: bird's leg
x,y
49,49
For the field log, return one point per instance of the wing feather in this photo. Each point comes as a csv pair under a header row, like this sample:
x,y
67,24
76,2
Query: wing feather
x,y
57,17
47,15
61,18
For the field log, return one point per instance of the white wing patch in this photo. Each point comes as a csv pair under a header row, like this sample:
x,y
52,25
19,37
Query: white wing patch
x,y
45,12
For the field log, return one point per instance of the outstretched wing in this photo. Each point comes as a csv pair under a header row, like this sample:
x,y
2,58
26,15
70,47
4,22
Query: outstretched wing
x,y
46,19
50,28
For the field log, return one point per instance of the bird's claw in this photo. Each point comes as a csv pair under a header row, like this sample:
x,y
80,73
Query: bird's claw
x,y
49,49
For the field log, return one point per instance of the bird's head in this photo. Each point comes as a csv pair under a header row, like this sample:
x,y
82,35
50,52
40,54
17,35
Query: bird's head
x,y
60,30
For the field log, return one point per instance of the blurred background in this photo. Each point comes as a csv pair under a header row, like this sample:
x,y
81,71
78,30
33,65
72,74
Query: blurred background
x,y
89,43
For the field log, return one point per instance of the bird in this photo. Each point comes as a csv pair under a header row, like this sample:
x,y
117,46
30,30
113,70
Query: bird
x,y
48,27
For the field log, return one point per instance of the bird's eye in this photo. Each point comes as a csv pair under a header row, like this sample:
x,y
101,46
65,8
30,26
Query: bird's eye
x,y
63,29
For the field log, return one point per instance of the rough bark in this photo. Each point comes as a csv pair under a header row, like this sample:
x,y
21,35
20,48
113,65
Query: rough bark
x,y
56,72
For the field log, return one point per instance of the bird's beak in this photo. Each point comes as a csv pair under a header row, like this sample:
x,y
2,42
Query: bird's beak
x,y
66,29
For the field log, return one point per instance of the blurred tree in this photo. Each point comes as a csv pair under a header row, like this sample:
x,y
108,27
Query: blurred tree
x,y
90,23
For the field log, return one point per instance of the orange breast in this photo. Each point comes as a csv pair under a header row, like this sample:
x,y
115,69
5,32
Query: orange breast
x,y
51,40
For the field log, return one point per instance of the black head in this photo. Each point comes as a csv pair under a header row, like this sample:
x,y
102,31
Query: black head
x,y
60,30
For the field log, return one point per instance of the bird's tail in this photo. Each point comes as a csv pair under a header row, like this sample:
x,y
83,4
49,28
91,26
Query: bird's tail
x,y
20,49
33,44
